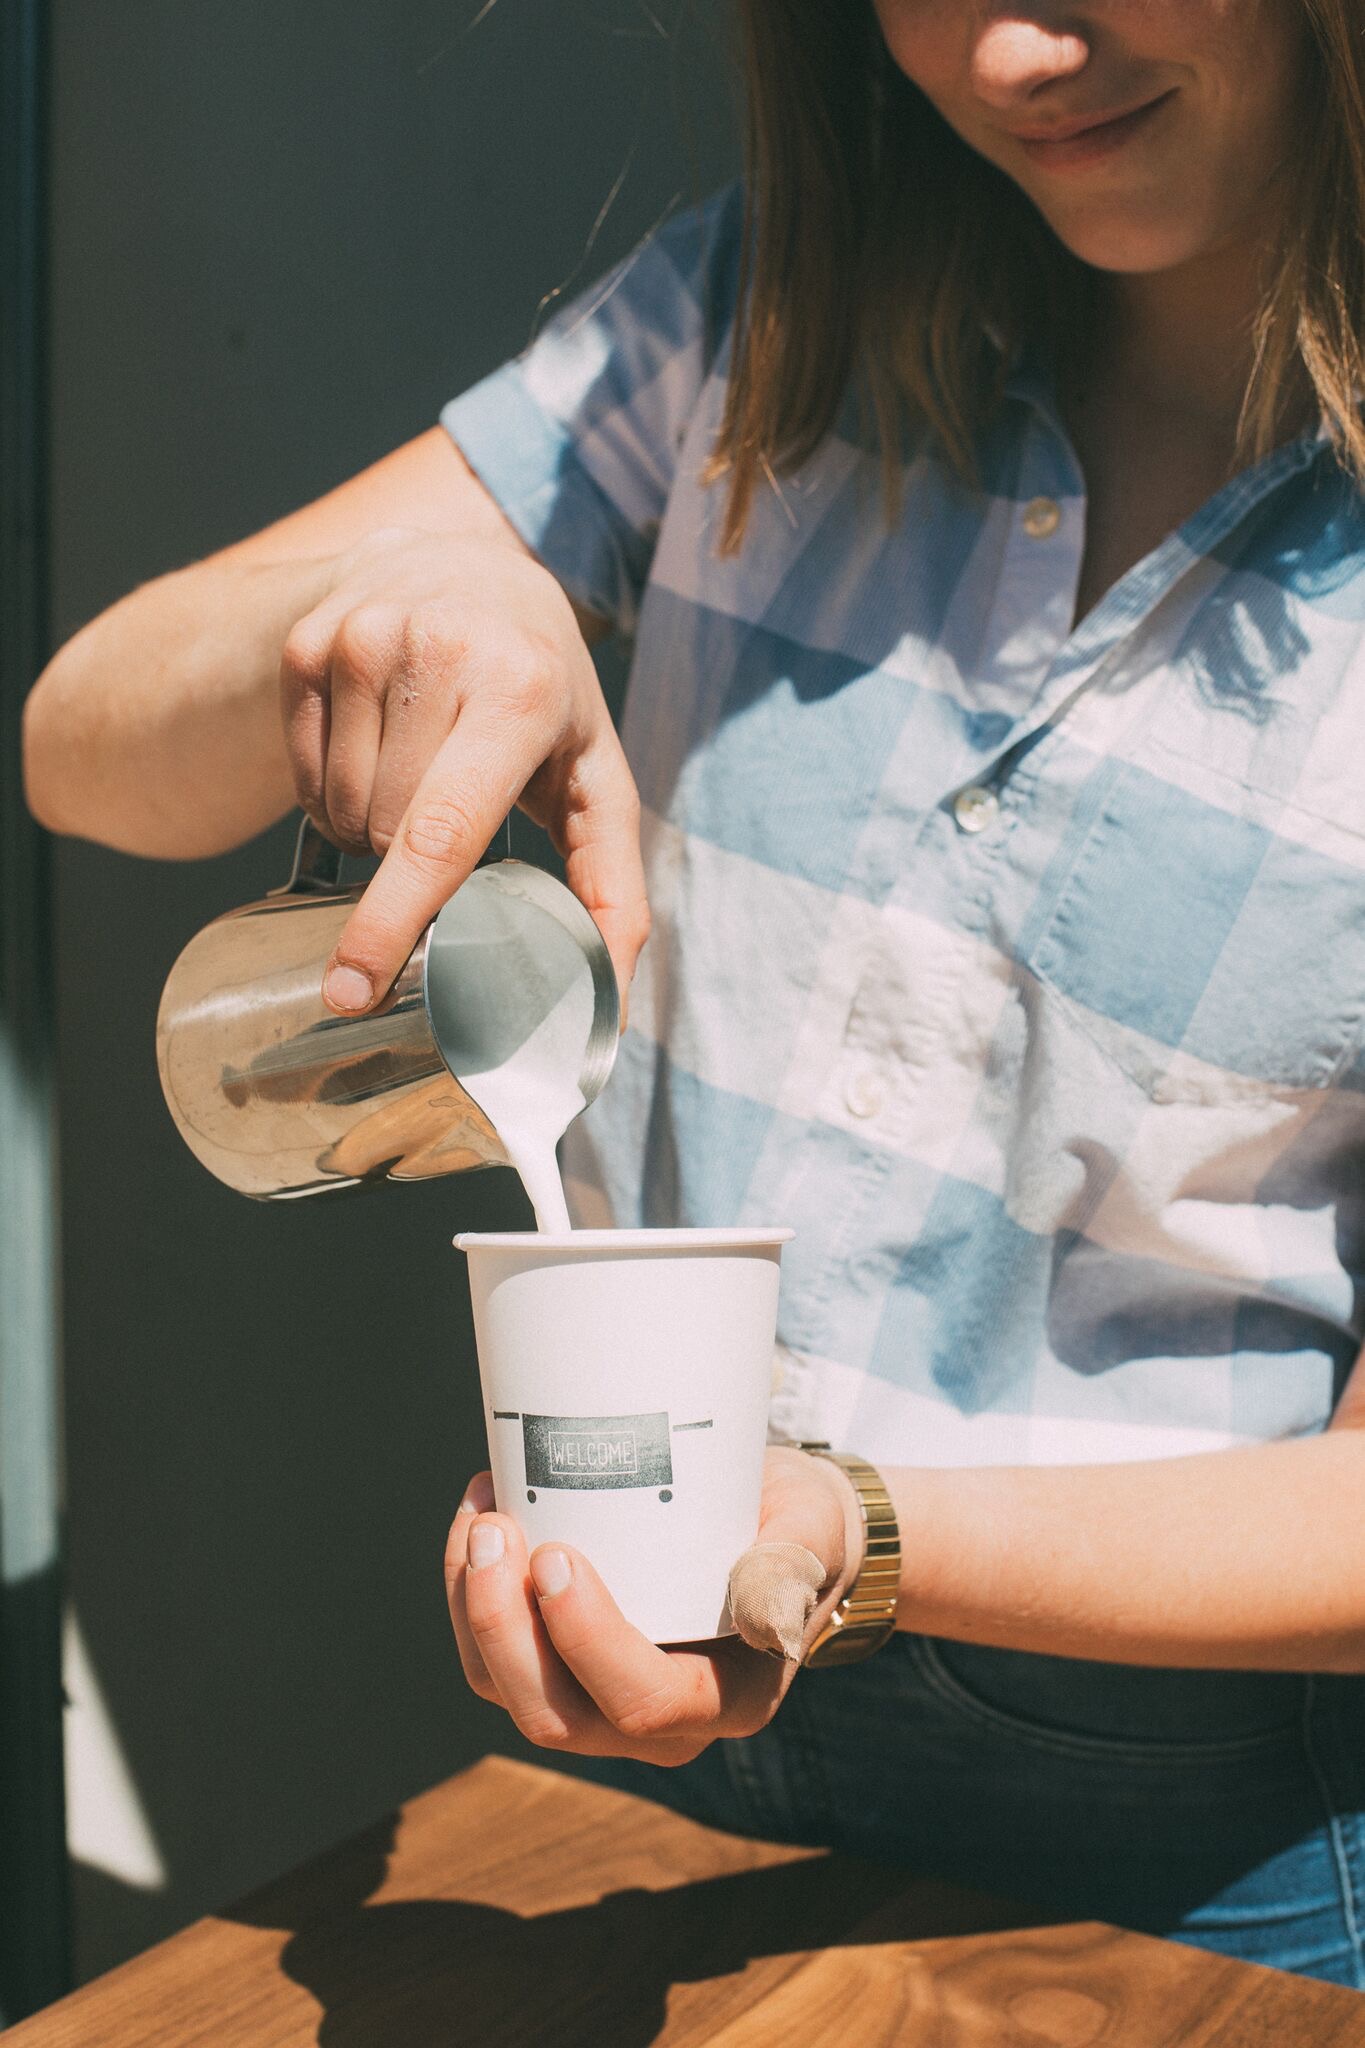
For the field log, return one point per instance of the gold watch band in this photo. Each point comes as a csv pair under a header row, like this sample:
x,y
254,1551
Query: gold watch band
x,y
866,1616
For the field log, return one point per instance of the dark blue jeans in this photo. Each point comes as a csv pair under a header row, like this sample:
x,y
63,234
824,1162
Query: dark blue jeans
x,y
1219,1808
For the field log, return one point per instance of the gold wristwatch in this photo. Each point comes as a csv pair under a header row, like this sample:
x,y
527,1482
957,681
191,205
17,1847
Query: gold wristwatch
x,y
866,1616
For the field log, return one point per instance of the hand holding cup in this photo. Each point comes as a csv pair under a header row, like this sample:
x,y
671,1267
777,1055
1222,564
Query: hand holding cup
x,y
541,1637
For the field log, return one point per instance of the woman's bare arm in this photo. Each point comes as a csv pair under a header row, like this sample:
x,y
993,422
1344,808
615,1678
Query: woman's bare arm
x,y
1246,1559
1250,1558
157,728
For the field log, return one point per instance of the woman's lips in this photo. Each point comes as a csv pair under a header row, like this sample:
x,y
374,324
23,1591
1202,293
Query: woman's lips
x,y
1081,147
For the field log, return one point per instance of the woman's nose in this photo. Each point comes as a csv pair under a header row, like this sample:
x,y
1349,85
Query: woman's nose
x,y
1016,52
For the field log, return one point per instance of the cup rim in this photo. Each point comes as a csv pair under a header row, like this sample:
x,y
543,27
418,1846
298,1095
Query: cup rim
x,y
690,1239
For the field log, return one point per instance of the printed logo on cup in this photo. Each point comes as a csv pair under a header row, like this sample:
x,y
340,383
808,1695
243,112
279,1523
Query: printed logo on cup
x,y
597,1450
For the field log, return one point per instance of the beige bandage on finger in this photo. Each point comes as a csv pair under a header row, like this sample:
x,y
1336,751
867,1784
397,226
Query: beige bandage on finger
x,y
773,1591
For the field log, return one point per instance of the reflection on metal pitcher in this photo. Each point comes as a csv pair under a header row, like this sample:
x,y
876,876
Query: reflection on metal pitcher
x,y
279,1097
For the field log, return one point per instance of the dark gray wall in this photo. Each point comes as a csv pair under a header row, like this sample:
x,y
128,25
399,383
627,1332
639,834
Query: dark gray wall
x,y
284,232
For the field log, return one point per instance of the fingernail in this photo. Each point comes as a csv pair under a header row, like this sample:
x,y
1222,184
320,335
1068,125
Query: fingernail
x,y
346,988
486,1545
466,1507
551,1571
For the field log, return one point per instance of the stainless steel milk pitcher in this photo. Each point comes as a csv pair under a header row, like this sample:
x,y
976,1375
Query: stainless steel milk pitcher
x,y
279,1097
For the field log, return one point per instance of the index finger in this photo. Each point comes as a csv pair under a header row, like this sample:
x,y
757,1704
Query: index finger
x,y
473,781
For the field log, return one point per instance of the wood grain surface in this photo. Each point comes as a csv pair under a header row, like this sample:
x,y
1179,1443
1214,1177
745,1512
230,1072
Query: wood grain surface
x,y
515,1908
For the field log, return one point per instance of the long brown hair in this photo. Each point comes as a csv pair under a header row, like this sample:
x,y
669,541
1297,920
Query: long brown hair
x,y
879,248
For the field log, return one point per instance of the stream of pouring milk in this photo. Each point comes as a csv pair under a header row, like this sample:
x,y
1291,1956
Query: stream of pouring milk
x,y
530,1100
520,1038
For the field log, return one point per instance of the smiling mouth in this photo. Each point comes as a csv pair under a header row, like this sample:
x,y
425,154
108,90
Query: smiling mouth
x,y
1072,146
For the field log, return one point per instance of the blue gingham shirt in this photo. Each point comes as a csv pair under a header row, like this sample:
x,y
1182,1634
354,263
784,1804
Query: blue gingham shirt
x,y
1019,967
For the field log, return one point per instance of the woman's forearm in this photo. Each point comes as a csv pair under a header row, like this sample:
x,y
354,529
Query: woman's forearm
x,y
1243,1559
157,728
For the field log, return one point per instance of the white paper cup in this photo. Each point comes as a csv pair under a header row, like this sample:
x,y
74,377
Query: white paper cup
x,y
626,1379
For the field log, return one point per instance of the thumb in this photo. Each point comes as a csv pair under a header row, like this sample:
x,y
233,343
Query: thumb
x,y
809,1544
774,1588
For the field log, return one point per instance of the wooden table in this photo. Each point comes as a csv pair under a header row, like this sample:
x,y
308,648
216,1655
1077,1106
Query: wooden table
x,y
515,1908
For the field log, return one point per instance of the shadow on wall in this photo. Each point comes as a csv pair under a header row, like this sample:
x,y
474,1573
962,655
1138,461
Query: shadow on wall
x,y
281,239
34,1965
275,1412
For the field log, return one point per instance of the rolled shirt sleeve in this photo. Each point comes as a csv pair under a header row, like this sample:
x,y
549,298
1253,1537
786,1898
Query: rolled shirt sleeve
x,y
578,438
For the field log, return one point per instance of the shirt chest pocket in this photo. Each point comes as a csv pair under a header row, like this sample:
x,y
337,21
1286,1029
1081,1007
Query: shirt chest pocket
x,y
1207,951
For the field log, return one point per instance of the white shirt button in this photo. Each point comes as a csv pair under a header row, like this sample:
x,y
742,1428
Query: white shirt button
x,y
1042,517
865,1093
975,808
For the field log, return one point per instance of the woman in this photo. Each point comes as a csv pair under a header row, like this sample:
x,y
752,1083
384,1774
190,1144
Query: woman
x,y
987,516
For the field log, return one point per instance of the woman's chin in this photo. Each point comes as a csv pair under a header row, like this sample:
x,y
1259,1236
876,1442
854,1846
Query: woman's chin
x,y
1129,248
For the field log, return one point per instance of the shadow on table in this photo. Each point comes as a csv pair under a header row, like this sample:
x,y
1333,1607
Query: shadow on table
x,y
417,1973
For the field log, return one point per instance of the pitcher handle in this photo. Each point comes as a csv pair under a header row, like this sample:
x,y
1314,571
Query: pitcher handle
x,y
317,864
